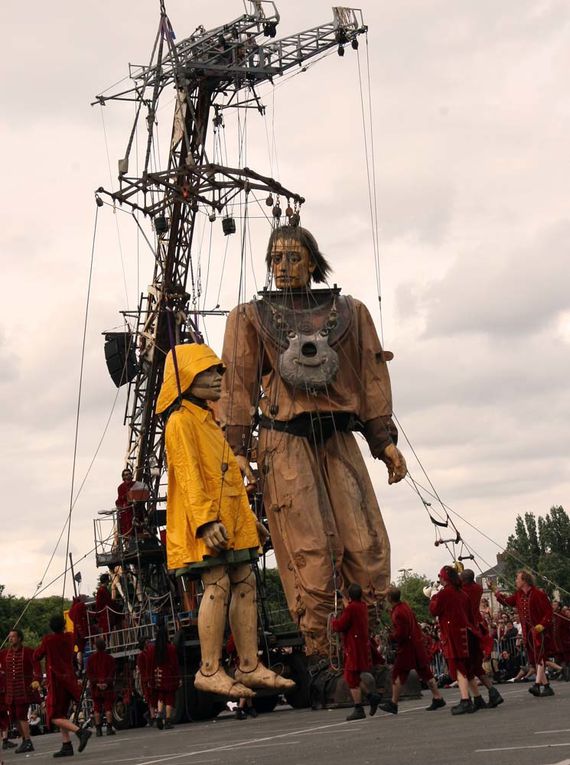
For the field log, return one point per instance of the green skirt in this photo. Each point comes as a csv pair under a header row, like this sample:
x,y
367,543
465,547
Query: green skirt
x,y
227,558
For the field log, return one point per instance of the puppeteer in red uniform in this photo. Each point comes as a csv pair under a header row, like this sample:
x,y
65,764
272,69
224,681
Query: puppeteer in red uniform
x,y
101,675
453,609
411,653
63,686
124,504
353,625
21,672
480,640
104,604
535,615
78,615
144,666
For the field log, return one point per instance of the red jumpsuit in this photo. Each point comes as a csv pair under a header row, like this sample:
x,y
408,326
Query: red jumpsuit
x,y
480,630
411,653
125,507
103,602
453,609
101,670
145,673
63,687
21,671
78,615
533,608
353,624
165,676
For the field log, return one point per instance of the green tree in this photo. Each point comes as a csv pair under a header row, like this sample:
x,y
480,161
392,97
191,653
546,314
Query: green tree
x,y
411,586
542,545
34,617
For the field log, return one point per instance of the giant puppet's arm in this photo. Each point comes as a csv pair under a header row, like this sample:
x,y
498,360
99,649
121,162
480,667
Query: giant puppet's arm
x,y
241,383
376,408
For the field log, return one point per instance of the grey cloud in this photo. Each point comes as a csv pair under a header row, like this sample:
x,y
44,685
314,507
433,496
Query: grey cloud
x,y
510,293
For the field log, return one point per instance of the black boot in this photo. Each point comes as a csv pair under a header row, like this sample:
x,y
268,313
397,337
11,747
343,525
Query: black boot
x,y
110,730
534,689
547,690
435,704
479,703
389,706
7,744
98,730
495,697
241,714
357,713
464,707
25,746
66,750
373,699
168,724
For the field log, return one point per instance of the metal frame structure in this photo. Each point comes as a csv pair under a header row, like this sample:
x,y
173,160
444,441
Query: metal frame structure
x,y
207,70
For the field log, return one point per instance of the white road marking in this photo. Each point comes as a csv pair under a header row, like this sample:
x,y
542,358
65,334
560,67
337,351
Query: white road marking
x,y
559,730
530,746
249,742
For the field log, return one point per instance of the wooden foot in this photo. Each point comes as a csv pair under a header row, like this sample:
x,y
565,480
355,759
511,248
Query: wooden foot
x,y
261,677
222,685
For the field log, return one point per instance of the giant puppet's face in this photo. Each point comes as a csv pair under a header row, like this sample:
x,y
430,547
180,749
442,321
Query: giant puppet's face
x,y
208,384
291,264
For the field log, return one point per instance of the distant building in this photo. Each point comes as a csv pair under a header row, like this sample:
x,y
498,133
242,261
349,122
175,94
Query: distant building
x,y
494,574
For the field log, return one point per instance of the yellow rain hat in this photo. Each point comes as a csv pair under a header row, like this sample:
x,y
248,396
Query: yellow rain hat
x,y
191,360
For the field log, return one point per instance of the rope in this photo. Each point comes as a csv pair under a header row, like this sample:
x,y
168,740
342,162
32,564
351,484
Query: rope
x,y
371,185
79,393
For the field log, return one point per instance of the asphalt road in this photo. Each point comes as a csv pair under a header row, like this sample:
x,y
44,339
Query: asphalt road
x,y
523,730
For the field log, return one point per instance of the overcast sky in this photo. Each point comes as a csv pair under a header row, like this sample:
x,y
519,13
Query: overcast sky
x,y
471,120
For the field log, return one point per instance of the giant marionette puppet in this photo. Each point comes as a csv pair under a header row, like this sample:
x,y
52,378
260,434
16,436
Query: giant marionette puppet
x,y
306,365
210,526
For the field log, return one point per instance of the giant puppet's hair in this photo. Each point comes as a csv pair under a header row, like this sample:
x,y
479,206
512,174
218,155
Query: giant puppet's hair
x,y
304,237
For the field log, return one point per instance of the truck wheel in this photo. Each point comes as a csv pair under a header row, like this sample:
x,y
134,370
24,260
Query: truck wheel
x,y
121,717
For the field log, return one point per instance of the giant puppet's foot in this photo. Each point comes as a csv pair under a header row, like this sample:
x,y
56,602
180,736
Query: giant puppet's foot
x,y
261,677
222,685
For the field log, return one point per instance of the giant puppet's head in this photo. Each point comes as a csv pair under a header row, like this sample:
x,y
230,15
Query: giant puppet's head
x,y
294,258
192,368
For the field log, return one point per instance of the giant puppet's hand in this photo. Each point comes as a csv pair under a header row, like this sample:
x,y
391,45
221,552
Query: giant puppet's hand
x,y
395,462
262,532
245,469
214,535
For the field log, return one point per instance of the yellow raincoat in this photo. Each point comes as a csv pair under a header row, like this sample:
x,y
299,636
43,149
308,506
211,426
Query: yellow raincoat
x,y
204,480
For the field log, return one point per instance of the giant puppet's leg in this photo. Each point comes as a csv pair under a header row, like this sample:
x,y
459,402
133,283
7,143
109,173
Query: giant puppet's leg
x,y
211,676
357,517
243,622
302,531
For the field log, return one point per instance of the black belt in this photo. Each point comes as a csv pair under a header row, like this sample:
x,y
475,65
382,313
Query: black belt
x,y
316,426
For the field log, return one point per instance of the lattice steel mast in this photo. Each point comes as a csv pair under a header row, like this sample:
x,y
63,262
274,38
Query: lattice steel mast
x,y
207,70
